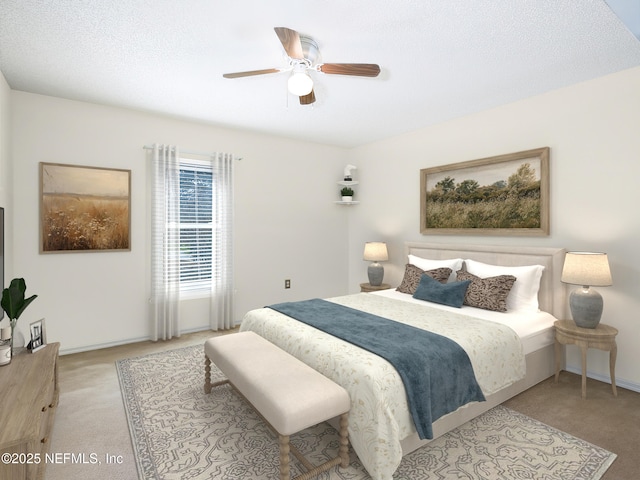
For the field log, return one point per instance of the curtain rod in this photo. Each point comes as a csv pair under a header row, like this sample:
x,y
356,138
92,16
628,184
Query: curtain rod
x,y
189,152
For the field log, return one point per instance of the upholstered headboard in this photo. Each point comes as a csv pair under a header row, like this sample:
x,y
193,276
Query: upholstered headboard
x,y
552,296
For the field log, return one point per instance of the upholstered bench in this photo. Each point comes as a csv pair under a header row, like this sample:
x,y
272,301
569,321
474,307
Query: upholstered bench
x,y
287,393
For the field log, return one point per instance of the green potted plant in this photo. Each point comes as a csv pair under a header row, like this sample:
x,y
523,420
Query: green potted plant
x,y
347,194
14,303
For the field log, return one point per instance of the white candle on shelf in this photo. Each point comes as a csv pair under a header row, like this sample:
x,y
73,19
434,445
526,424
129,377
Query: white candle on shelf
x,y
5,333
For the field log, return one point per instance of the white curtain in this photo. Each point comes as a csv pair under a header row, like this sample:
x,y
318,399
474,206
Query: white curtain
x,y
221,310
165,243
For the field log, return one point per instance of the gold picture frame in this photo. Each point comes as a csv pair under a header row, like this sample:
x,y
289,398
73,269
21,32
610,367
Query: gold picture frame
x,y
503,195
84,209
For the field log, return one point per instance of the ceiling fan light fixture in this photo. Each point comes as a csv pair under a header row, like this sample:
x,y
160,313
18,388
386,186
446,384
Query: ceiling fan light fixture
x,y
300,84
303,56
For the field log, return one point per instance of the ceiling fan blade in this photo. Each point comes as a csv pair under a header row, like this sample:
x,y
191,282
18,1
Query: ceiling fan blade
x,y
359,69
308,99
250,73
290,40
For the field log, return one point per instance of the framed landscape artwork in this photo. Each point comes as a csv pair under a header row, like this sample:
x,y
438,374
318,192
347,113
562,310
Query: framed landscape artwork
x,y
503,195
84,209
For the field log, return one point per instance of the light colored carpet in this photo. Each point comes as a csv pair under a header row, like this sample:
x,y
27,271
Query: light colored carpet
x,y
179,432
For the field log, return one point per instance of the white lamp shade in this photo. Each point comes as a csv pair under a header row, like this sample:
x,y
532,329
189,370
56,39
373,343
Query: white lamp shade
x,y
300,84
587,269
375,252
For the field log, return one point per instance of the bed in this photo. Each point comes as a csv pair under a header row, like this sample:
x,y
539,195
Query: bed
x,y
381,427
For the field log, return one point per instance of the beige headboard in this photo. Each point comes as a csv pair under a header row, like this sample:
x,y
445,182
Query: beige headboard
x,y
552,296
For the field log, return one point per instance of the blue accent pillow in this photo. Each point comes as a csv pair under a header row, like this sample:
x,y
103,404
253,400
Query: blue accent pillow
x,y
451,294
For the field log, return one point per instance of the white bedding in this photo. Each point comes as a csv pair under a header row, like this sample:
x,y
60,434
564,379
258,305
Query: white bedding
x,y
535,329
379,417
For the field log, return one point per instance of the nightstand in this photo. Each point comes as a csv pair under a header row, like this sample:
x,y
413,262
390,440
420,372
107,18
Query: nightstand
x,y
367,287
602,337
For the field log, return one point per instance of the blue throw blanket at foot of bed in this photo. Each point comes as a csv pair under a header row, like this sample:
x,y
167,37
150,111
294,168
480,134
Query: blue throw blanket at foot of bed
x,y
436,371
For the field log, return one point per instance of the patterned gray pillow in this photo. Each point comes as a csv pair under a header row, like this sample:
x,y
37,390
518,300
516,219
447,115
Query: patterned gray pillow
x,y
412,276
487,293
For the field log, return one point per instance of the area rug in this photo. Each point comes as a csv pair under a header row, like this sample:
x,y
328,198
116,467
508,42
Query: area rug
x,y
179,432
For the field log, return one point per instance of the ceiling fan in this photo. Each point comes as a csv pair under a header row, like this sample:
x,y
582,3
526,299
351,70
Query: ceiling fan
x,y
302,53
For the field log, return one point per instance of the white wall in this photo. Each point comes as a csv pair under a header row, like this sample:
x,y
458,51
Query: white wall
x,y
287,225
593,131
5,166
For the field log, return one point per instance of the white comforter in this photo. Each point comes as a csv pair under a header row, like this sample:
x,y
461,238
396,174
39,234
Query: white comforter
x,y
379,418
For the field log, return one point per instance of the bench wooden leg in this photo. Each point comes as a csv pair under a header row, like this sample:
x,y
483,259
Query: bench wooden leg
x,y
344,440
284,458
342,459
207,375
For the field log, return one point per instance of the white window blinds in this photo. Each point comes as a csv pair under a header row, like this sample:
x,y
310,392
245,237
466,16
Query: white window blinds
x,y
196,225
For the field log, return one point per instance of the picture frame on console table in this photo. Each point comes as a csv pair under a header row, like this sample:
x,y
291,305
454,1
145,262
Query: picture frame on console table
x,y
38,336
502,195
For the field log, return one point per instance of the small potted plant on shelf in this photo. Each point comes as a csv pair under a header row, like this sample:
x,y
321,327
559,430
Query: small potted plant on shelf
x,y
14,303
347,194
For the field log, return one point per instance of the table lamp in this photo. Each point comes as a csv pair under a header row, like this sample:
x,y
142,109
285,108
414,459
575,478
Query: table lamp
x,y
586,269
375,252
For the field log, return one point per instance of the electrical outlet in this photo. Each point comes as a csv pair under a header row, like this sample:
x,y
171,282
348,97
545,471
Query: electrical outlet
x,y
287,283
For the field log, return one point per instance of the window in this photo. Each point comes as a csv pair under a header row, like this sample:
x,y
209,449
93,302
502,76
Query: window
x,y
191,237
196,225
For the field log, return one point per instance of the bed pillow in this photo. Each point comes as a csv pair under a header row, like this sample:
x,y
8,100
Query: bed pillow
x,y
454,264
487,293
451,294
524,294
412,276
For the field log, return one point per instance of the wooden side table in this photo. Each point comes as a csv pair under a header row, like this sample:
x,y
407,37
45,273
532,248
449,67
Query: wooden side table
x,y
602,337
367,287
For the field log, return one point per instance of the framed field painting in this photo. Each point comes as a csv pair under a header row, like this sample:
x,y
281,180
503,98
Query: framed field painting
x,y
84,209
503,195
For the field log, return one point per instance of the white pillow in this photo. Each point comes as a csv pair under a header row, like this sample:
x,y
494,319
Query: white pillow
x,y
524,293
454,264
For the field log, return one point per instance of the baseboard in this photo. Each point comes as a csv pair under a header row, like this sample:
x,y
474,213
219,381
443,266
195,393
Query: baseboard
x,y
98,346
605,378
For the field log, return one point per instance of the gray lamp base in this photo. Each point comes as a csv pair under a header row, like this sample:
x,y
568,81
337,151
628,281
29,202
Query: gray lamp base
x,y
586,307
376,274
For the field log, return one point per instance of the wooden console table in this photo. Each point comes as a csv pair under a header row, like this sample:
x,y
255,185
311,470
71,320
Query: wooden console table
x,y
28,397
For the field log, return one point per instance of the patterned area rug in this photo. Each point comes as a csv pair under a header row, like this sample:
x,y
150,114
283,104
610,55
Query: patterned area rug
x,y
179,432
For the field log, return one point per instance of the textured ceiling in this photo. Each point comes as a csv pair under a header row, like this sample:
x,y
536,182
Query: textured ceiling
x,y
440,59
